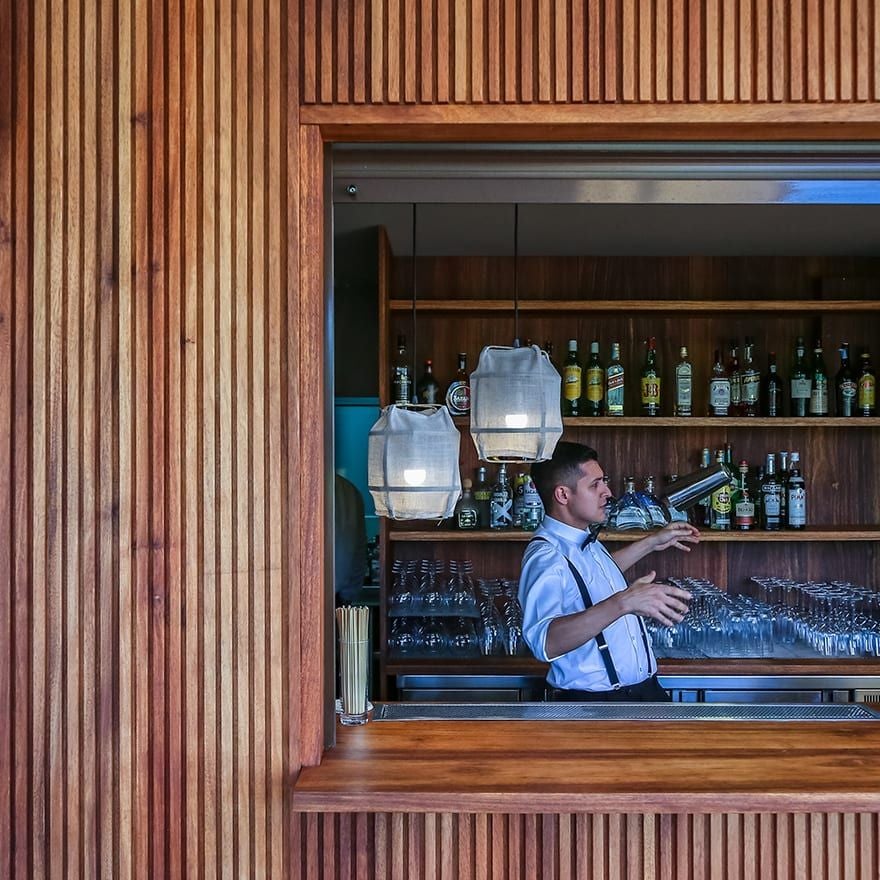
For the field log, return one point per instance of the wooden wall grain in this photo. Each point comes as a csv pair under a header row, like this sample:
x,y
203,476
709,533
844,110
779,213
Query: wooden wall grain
x,y
591,51
147,342
447,846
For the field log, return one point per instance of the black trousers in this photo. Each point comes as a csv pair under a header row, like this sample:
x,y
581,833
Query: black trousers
x,y
647,691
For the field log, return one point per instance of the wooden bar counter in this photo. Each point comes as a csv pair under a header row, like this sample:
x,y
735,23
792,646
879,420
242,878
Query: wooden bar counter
x,y
541,766
561,799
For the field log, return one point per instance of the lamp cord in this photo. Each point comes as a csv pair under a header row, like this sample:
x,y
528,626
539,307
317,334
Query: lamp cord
x,y
412,389
515,272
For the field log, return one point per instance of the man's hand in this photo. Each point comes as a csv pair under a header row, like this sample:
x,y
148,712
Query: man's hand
x,y
676,534
665,603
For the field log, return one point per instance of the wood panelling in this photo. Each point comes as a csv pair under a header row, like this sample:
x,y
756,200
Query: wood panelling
x,y
591,51
148,346
458,846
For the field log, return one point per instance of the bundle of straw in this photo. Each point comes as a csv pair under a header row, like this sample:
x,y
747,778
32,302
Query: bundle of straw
x,y
352,627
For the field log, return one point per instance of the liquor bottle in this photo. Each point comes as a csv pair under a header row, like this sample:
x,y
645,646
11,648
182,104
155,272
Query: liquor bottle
x,y
719,388
684,374
782,474
458,394
594,404
845,387
797,495
571,381
483,496
659,517
650,380
467,515
631,513
719,516
801,382
751,380
756,495
773,388
771,494
743,505
614,383
819,391
519,499
428,388
533,509
733,371
501,501
866,402
401,376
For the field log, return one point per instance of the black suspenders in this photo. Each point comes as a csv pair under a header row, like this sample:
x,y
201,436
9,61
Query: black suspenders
x,y
601,643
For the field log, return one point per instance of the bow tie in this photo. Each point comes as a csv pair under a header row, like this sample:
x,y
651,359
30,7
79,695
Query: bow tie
x,y
592,535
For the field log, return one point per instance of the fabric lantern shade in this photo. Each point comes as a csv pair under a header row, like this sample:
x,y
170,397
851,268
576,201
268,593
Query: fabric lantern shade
x,y
515,409
413,463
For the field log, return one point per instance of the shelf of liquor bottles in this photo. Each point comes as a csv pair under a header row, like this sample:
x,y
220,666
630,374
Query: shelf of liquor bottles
x,y
797,306
686,422
810,535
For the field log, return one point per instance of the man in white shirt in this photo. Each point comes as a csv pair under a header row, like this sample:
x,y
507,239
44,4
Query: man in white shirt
x,y
579,613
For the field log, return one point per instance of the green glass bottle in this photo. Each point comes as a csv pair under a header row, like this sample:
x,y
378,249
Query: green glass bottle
x,y
819,391
650,380
572,375
801,382
614,383
595,397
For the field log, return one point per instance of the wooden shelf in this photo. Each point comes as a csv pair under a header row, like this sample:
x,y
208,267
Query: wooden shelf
x,y
637,305
681,422
816,533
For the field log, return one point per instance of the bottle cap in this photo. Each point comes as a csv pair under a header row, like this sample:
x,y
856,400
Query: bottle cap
x,y
572,344
594,347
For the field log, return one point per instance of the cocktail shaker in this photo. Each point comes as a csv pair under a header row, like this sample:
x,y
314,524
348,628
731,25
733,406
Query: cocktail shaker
x,y
686,491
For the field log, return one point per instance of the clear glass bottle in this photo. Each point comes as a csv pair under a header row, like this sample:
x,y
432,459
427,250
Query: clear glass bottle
x,y
771,496
674,514
659,517
797,495
467,515
458,394
751,380
401,375
801,382
501,501
866,402
773,390
614,383
845,387
533,509
595,397
650,380
719,388
630,512
572,377
428,388
819,391
684,386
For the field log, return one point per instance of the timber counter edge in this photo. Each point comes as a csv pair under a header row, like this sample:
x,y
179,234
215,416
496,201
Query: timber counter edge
x,y
597,767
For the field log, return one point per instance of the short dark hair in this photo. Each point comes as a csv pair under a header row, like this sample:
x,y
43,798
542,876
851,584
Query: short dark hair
x,y
563,469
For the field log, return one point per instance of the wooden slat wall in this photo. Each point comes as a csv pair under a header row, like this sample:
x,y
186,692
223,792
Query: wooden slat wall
x,y
591,51
147,340
450,846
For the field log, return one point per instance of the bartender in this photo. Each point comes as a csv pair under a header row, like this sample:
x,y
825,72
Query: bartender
x,y
579,613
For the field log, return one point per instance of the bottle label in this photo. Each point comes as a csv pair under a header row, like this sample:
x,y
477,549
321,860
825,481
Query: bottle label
x,y
797,506
595,383
651,390
772,501
719,395
801,388
847,392
819,398
683,394
867,392
571,382
735,390
402,386
614,393
721,501
467,518
500,511
745,513
750,385
458,398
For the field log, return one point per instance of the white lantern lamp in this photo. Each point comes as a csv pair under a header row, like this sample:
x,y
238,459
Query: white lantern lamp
x,y
515,410
413,463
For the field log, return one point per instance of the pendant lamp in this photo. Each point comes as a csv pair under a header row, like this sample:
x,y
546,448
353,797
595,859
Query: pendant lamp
x,y
412,452
515,403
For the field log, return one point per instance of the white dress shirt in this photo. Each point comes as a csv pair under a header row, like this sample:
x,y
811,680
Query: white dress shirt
x,y
547,590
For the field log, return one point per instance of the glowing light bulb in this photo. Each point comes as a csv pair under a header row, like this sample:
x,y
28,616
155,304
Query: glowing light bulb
x,y
414,476
516,420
